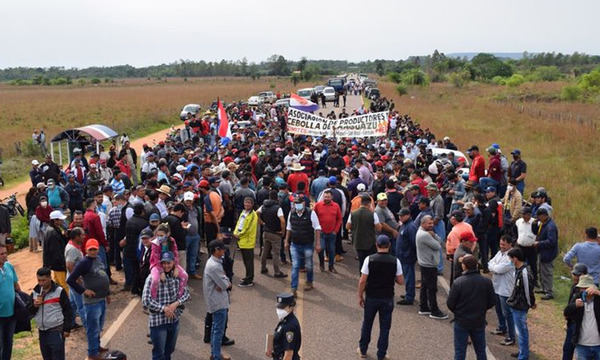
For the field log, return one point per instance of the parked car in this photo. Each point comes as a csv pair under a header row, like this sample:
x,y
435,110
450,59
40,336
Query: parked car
x,y
305,93
319,89
457,155
373,93
267,97
254,101
329,93
369,82
283,102
193,109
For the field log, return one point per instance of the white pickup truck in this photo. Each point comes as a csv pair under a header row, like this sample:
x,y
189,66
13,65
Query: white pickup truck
x,y
267,97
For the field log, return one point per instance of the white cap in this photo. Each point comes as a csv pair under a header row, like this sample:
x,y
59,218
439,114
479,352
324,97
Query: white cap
x,y
446,138
57,215
35,162
93,166
180,168
361,187
188,196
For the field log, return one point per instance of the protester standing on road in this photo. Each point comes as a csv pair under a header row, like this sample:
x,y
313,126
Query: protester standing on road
x,y
428,256
215,285
521,300
304,234
73,255
503,278
364,225
584,309
245,231
272,219
55,241
525,240
568,346
165,309
53,315
8,286
96,295
470,297
192,237
129,244
330,218
287,338
406,252
379,273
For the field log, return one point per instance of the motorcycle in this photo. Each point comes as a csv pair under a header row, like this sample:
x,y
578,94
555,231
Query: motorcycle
x,y
12,205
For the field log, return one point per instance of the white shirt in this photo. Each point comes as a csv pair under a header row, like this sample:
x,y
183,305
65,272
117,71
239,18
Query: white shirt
x,y
313,219
526,236
375,219
288,160
365,268
589,328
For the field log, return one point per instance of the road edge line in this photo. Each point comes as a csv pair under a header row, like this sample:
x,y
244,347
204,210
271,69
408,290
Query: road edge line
x,y
116,325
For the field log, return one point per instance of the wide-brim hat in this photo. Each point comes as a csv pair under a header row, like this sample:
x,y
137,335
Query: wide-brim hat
x,y
296,167
586,281
165,189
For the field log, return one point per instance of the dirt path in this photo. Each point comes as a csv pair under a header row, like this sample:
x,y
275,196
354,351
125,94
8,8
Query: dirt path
x,y
27,263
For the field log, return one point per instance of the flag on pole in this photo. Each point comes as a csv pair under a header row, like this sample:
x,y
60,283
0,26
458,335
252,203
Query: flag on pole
x,y
302,104
224,130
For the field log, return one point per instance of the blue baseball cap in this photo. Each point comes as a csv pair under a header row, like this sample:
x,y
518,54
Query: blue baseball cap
x,y
182,161
332,180
383,241
490,189
167,257
154,217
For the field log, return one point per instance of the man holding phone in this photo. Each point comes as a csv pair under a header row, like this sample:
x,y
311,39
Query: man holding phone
x,y
584,309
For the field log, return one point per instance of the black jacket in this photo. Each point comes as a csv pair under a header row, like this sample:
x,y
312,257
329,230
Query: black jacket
x,y
518,298
575,314
5,225
177,231
54,249
470,297
134,227
123,152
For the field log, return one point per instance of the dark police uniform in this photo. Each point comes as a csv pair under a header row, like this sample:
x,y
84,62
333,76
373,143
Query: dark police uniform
x,y
287,333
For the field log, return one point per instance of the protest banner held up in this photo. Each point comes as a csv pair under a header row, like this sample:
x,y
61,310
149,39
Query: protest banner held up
x,y
367,125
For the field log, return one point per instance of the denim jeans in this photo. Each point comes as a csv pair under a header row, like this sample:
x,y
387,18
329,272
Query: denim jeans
x,y
77,299
299,251
506,323
588,352
520,318
384,307
485,182
52,345
568,347
7,331
409,281
521,186
461,337
440,230
192,242
219,318
164,339
328,243
94,317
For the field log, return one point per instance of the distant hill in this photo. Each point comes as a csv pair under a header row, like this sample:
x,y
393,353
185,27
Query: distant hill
x,y
502,55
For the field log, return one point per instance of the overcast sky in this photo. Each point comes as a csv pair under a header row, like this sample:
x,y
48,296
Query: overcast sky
x,y
82,33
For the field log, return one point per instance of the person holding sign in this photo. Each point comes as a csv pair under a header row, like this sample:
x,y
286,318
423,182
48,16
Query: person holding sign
x,y
287,338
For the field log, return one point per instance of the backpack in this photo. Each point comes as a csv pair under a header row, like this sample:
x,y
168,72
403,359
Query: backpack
x,y
21,314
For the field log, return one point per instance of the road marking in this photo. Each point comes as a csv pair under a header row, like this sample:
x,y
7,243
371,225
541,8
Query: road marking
x,y
446,287
300,309
116,325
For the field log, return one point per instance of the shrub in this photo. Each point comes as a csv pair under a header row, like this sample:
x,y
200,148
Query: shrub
x,y
459,78
95,81
546,73
591,82
20,232
81,82
395,77
401,89
515,80
415,77
499,80
571,93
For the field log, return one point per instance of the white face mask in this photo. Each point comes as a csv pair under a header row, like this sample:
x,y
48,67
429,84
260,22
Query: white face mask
x,y
281,313
509,188
44,204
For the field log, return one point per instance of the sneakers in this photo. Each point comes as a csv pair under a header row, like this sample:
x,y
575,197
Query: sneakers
x,y
245,283
308,286
361,354
438,315
227,341
405,302
507,342
498,332
547,297
332,270
280,275
264,271
424,312
339,258
295,293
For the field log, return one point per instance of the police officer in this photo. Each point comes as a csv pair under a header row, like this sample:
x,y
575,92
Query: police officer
x,y
287,339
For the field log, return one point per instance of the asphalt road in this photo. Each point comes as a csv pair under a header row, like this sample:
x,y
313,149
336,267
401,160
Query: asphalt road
x,y
329,315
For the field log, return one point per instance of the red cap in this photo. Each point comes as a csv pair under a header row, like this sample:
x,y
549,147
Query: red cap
x,y
161,143
227,160
354,147
204,184
385,158
186,123
468,236
144,145
379,163
91,244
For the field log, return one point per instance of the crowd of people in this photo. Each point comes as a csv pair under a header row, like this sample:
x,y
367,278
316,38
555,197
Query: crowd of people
x,y
290,196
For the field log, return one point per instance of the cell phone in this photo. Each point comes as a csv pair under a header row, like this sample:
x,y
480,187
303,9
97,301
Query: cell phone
x,y
584,295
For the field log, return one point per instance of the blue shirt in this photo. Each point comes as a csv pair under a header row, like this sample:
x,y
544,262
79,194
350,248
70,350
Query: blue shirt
x,y
588,253
8,278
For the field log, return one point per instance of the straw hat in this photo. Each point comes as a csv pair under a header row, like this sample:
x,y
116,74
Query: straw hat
x,y
165,189
586,281
296,167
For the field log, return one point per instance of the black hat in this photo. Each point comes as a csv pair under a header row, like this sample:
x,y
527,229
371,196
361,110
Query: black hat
x,y
473,147
216,245
285,299
579,269
458,215
527,210
404,211
542,211
146,233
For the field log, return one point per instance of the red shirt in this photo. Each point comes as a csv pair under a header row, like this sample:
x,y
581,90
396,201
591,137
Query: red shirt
x,y
295,178
330,216
477,169
93,227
